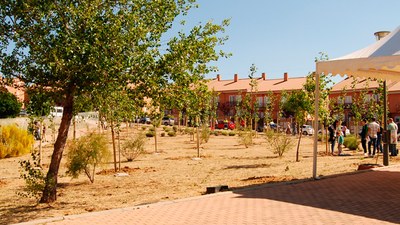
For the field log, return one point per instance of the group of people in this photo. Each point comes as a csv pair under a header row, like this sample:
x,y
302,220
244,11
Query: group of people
x,y
336,136
371,137
372,133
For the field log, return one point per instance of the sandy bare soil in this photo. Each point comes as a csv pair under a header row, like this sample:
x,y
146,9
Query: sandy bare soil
x,y
173,173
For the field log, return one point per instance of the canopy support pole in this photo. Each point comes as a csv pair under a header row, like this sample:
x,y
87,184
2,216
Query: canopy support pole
x,y
385,133
316,122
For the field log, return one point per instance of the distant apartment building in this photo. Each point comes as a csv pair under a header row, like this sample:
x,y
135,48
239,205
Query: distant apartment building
x,y
348,91
233,90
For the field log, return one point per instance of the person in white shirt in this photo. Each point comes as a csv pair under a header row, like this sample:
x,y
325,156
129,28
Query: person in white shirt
x,y
373,129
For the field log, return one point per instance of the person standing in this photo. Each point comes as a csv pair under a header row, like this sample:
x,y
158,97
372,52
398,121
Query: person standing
x,y
392,130
288,128
344,129
379,139
340,138
373,129
332,135
364,135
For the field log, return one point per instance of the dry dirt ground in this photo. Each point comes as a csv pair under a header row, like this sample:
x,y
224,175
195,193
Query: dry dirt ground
x,y
173,173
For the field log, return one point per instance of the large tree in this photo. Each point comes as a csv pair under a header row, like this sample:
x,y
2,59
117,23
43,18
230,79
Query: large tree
x,y
75,48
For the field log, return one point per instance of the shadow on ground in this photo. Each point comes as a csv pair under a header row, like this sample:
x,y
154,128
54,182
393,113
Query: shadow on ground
x,y
371,194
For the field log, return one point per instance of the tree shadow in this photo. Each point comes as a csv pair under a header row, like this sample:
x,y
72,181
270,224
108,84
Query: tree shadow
x,y
372,194
251,166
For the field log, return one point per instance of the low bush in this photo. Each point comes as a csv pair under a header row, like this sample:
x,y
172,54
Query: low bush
x,y
232,133
189,130
175,128
144,128
166,129
32,173
133,147
172,134
225,133
205,133
150,134
246,138
152,129
14,141
85,154
279,143
163,134
350,141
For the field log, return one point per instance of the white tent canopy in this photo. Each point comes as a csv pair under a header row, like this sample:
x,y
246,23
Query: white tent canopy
x,y
379,60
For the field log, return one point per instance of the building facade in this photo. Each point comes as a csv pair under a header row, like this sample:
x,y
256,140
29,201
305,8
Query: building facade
x,y
232,91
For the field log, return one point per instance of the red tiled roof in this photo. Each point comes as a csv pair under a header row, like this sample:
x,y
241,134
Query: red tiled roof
x,y
362,83
275,85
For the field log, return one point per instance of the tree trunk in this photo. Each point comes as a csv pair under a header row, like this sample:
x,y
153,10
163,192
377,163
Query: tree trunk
x,y
298,147
198,137
74,133
155,139
119,151
50,190
114,149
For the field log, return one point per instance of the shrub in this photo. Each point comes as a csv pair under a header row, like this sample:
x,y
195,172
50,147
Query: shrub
x,y
163,134
350,141
85,153
279,142
33,175
150,134
166,129
134,147
152,129
232,133
225,133
14,141
189,130
9,105
171,134
246,138
205,133
175,128
144,128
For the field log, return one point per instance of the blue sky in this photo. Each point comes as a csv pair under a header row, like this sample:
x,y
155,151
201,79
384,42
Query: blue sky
x,y
286,35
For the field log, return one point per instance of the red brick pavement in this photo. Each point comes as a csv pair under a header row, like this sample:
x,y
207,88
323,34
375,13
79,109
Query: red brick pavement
x,y
371,197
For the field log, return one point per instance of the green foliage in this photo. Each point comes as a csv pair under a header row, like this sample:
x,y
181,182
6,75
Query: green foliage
x,y
144,127
189,130
14,141
246,138
205,133
133,147
232,133
9,105
33,175
166,129
325,85
162,134
172,134
85,154
350,141
152,129
150,134
279,143
175,128
111,52
40,102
